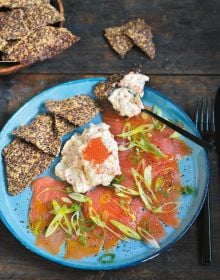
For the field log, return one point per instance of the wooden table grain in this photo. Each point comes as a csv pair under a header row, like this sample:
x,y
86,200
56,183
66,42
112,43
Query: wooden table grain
x,y
186,66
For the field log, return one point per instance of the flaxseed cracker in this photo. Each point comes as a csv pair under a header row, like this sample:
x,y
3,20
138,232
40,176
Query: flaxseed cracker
x,y
103,89
40,45
62,126
41,15
40,132
21,3
23,163
140,33
118,40
3,44
13,25
78,110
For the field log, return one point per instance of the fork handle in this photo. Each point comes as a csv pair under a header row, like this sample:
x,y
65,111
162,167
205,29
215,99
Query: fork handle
x,y
206,233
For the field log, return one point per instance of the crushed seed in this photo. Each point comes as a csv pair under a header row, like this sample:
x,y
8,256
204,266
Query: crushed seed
x,y
23,163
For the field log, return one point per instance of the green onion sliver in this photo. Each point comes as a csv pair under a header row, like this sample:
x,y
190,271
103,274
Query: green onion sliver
x,y
129,232
159,210
107,258
175,135
148,237
143,196
141,128
79,197
55,222
125,190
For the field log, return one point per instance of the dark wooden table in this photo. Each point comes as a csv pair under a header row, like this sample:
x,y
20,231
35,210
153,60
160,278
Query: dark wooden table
x,y
187,65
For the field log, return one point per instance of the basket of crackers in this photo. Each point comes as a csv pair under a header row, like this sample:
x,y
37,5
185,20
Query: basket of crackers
x,y
31,31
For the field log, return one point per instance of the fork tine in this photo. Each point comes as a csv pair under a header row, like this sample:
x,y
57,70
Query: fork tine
x,y
197,113
207,109
202,116
212,124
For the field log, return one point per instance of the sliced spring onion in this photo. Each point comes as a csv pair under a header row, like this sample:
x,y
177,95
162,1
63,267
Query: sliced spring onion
x,y
86,225
97,220
121,194
175,135
148,237
119,180
148,176
79,197
122,148
36,228
159,183
156,110
66,200
140,128
56,221
74,221
127,210
126,127
129,232
159,210
145,145
66,225
188,190
123,189
143,196
107,258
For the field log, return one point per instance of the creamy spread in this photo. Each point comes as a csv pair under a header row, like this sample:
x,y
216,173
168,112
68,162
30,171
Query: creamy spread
x,y
126,102
135,82
79,169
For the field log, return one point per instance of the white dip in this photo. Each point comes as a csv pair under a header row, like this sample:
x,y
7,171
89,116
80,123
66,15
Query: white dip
x,y
127,98
135,82
126,102
84,174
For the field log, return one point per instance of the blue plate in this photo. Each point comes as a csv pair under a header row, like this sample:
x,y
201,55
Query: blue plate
x,y
14,209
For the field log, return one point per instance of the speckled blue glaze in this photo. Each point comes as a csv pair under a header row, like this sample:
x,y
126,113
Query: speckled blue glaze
x,y
14,209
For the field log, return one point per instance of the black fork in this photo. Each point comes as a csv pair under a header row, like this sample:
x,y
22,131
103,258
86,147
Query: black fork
x,y
205,122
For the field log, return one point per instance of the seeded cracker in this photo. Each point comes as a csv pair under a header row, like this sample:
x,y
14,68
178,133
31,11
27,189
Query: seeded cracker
x,y
29,19
12,25
21,3
23,163
78,110
3,44
103,89
62,126
141,35
41,45
41,134
119,42
40,16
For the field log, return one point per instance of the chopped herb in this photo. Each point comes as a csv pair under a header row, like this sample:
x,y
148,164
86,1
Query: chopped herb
x,y
119,180
188,190
83,240
107,258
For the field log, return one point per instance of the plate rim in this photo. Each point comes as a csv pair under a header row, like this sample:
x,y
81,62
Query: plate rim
x,y
34,249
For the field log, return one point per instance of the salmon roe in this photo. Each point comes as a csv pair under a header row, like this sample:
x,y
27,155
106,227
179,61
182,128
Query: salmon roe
x,y
96,151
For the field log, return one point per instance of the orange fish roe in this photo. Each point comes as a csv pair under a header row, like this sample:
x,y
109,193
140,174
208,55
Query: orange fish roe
x,y
96,151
